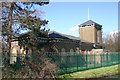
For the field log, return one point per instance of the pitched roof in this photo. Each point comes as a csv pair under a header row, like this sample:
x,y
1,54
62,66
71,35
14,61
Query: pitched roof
x,y
65,36
89,22
54,34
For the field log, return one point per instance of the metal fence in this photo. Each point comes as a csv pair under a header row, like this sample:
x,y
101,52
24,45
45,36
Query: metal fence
x,y
68,63
73,62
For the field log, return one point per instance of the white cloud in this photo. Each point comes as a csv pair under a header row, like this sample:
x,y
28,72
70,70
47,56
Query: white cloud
x,y
114,32
75,28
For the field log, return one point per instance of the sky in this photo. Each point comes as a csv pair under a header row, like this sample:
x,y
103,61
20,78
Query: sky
x,y
64,16
84,0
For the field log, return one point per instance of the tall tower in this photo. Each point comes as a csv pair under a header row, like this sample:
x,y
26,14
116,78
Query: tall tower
x,y
91,31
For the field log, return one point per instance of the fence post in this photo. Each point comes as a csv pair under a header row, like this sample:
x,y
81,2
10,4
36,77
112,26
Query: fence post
x,y
77,62
69,64
107,58
66,62
101,56
117,58
94,60
86,61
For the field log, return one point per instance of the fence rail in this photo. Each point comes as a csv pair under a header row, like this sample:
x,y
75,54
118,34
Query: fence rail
x,y
73,62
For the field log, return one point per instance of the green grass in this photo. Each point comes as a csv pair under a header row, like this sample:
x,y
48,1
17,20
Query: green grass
x,y
75,69
92,72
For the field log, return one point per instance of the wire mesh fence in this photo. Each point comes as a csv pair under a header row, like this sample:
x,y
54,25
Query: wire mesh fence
x,y
68,62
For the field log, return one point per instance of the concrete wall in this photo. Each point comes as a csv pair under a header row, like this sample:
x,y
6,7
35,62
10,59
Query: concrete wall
x,y
97,51
88,33
15,49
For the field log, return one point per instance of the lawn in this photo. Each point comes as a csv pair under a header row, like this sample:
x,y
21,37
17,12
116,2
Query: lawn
x,y
92,72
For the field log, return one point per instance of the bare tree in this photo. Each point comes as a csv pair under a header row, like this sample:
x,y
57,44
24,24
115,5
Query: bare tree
x,y
111,42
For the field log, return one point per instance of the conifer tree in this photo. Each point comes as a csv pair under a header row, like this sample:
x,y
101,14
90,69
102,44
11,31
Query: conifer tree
x,y
17,16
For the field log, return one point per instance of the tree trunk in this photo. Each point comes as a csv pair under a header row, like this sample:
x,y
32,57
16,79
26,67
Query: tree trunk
x,y
9,28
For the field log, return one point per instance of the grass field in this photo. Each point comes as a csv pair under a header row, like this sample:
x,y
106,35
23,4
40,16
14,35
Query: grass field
x,y
92,72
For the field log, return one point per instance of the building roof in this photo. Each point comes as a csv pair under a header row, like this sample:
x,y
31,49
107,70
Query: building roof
x,y
89,22
54,34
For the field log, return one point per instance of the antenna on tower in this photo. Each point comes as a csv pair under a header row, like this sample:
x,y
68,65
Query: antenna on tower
x,y
88,14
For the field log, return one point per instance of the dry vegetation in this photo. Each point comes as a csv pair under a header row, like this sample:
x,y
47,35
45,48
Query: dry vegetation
x,y
111,42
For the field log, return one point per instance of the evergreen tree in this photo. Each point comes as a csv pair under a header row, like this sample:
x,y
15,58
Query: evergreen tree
x,y
17,16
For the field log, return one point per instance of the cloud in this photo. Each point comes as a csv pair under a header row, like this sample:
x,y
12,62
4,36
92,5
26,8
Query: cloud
x,y
75,28
114,32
